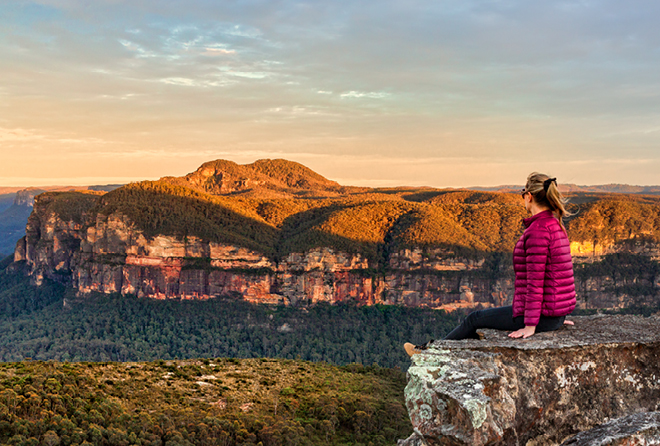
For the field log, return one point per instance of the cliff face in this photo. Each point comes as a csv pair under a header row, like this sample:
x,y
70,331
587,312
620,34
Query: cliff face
x,y
275,231
589,252
112,255
108,253
542,391
13,218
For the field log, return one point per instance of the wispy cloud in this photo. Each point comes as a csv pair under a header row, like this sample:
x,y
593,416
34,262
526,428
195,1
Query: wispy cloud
x,y
68,181
181,81
249,74
22,135
137,49
211,51
300,111
364,94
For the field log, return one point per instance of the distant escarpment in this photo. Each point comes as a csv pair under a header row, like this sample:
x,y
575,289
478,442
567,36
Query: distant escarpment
x,y
16,206
276,232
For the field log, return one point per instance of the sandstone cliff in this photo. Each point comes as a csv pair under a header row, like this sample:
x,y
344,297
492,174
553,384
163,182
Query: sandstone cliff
x,y
539,391
14,218
111,254
108,253
275,231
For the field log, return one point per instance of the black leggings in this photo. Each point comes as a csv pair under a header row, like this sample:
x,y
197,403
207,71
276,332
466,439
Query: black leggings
x,y
500,318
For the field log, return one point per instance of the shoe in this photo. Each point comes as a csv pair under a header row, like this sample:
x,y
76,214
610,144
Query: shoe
x,y
412,349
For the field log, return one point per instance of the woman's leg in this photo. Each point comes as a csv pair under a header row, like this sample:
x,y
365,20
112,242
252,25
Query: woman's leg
x,y
499,318
547,323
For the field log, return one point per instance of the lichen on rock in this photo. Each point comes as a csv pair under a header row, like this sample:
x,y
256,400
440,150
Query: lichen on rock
x,y
542,390
640,429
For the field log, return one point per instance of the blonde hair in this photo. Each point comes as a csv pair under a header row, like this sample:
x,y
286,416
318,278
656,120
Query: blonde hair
x,y
545,192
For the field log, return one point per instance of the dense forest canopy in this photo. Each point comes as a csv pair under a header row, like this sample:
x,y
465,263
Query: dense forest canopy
x,y
50,323
200,402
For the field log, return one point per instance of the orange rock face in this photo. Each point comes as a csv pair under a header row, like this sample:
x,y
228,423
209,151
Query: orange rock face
x,y
113,256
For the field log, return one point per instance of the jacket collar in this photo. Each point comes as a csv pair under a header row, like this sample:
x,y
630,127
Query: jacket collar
x,y
529,220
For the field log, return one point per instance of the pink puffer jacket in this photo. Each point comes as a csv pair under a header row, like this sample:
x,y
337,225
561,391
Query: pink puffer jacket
x,y
544,270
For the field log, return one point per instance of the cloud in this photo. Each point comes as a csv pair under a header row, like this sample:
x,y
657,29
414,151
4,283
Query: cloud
x,y
249,74
22,135
26,181
181,81
137,49
297,112
19,134
209,51
362,94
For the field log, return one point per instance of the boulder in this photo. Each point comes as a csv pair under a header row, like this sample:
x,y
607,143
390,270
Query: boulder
x,y
538,391
640,429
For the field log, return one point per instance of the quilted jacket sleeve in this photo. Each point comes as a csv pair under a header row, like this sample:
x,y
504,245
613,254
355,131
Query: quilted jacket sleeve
x,y
537,246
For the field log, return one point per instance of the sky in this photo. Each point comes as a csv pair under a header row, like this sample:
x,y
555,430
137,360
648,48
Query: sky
x,y
441,93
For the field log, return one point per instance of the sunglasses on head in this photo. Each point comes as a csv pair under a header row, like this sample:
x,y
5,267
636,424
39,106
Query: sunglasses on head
x,y
523,192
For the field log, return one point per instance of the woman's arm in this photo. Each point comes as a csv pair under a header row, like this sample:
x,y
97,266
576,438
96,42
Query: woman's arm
x,y
529,330
524,333
537,248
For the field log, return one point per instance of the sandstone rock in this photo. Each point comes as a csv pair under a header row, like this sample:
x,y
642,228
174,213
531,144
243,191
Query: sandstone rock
x,y
438,259
446,292
588,252
539,391
25,197
19,252
322,259
414,440
108,253
641,429
320,286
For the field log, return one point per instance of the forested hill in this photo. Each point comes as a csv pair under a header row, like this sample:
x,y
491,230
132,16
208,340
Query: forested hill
x,y
277,207
276,232
208,402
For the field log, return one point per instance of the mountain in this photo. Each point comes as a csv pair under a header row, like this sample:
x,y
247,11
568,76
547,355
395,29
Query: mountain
x,y
59,326
263,178
276,232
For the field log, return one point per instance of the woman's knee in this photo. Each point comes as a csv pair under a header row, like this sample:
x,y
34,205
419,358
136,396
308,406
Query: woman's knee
x,y
473,317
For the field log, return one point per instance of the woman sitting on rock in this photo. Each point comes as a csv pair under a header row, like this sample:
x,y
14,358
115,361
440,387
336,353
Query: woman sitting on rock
x,y
544,287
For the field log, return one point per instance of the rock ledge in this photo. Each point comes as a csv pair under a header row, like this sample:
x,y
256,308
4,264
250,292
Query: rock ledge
x,y
640,429
539,391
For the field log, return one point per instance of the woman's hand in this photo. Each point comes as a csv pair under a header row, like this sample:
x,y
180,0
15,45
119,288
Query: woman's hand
x,y
524,333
